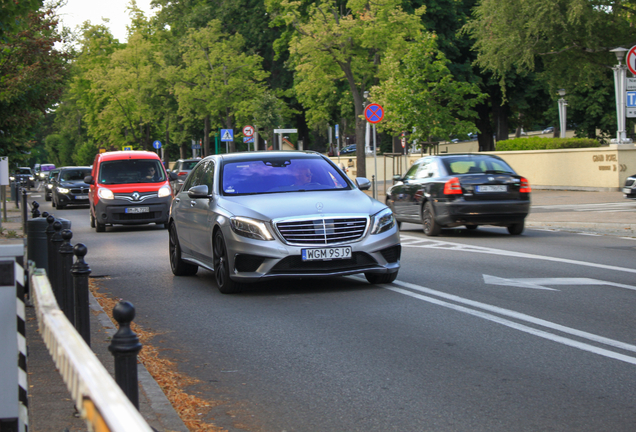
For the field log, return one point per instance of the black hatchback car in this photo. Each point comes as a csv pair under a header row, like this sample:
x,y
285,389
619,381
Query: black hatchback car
x,y
445,191
69,187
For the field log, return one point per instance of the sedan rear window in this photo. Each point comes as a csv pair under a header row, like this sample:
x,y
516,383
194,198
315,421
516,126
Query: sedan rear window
x,y
280,175
476,165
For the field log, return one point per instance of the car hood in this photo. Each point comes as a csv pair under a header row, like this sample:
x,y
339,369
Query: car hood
x,y
267,207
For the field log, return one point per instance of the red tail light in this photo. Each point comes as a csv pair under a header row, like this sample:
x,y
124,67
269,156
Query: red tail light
x,y
525,186
182,173
452,187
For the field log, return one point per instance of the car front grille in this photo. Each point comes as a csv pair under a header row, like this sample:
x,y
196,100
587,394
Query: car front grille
x,y
135,196
79,191
324,231
295,264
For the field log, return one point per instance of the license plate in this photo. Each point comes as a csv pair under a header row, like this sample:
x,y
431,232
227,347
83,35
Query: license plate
x,y
492,188
137,210
81,197
325,254
627,190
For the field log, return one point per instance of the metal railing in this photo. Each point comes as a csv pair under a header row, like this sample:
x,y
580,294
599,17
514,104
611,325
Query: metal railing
x,y
98,398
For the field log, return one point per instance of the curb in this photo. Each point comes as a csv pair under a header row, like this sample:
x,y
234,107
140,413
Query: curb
x,y
628,230
161,406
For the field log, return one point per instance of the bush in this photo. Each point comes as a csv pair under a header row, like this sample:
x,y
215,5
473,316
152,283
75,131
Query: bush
x,y
536,143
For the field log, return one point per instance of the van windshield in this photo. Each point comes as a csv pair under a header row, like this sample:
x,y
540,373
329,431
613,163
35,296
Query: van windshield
x,y
131,171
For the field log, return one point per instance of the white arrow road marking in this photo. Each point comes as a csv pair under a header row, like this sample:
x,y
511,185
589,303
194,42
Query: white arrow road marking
x,y
419,242
537,283
515,325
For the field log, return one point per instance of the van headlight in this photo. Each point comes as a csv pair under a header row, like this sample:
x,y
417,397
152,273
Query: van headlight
x,y
104,193
382,221
164,191
250,228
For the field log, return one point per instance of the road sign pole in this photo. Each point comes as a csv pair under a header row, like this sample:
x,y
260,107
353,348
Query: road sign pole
x,y
375,160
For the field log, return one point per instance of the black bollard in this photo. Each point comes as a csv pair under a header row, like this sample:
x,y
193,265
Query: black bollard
x,y
24,209
50,253
56,269
80,271
35,209
125,346
66,281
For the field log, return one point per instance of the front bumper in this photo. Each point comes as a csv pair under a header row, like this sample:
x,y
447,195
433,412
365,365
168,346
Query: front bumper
x,y
121,214
254,260
462,212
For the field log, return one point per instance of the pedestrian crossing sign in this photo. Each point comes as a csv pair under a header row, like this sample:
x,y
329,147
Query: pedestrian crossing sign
x,y
227,135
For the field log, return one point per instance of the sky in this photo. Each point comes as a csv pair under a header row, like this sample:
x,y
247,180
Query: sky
x,y
77,11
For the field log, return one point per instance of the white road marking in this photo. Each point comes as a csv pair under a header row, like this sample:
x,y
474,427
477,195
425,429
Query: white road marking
x,y
418,242
537,283
518,316
599,207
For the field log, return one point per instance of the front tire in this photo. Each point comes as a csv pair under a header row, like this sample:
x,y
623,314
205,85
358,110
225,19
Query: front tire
x,y
375,278
100,227
222,267
516,229
178,266
92,219
429,226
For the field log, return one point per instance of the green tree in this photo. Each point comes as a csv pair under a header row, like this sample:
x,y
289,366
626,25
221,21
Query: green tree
x,y
343,43
566,41
218,82
33,74
421,95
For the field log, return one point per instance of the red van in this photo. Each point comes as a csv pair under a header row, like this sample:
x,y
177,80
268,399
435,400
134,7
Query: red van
x,y
128,188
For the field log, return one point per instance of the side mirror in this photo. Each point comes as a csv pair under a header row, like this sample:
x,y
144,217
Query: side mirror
x,y
363,183
89,180
199,191
397,178
173,175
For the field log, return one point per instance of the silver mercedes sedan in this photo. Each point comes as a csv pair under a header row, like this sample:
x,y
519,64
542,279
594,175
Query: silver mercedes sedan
x,y
260,215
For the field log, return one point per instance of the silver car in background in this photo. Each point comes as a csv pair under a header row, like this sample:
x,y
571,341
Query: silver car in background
x,y
262,215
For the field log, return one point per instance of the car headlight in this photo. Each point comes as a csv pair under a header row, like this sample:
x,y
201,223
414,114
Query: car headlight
x,y
31,178
63,190
50,186
164,191
104,193
382,221
11,178
250,228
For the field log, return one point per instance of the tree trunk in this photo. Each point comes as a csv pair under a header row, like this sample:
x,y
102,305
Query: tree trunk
x,y
482,122
206,136
500,117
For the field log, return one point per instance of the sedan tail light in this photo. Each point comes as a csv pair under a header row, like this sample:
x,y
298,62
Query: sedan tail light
x,y
182,173
452,187
525,186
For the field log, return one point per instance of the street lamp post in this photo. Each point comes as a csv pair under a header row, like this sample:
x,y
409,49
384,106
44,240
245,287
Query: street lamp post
x,y
620,74
563,113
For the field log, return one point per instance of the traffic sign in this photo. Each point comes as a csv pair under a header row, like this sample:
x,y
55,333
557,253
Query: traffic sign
x,y
631,60
631,84
248,131
248,139
227,135
156,144
337,136
374,113
630,99
127,148
281,131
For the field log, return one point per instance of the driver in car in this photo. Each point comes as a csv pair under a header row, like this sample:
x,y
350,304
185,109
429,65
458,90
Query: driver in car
x,y
302,174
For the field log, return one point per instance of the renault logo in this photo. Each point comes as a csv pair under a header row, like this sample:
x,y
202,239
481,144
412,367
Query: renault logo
x,y
135,196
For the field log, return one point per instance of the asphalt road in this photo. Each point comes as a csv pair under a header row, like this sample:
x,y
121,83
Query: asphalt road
x,y
482,331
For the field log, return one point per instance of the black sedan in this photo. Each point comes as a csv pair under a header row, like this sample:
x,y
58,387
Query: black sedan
x,y
69,187
453,190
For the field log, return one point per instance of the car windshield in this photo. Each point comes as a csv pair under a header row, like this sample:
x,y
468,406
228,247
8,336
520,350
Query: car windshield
x,y
468,164
280,175
47,167
74,175
23,171
131,171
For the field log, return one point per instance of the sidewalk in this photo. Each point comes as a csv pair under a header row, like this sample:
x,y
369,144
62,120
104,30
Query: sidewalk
x,y
50,405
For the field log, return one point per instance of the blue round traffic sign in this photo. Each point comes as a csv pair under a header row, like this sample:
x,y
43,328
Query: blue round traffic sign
x,y
157,144
374,113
